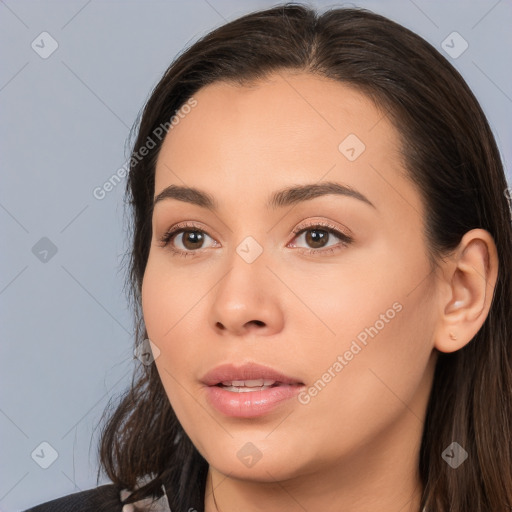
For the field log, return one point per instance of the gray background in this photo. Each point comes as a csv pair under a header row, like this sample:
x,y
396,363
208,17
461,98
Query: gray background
x,y
65,327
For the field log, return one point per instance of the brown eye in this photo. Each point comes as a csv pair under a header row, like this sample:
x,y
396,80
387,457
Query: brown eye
x,y
316,238
192,239
186,240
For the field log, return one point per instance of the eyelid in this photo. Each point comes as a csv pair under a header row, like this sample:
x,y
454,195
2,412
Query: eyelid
x,y
344,235
322,223
178,228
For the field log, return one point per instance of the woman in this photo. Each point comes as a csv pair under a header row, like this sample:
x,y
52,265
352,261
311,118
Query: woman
x,y
321,255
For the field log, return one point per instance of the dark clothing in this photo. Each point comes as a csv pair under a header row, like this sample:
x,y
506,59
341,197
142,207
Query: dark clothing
x,y
105,498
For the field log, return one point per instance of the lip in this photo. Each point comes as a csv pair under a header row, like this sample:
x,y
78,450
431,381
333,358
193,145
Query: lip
x,y
253,403
247,371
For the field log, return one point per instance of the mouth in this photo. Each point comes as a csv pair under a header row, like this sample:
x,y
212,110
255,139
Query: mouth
x,y
248,386
249,390
248,375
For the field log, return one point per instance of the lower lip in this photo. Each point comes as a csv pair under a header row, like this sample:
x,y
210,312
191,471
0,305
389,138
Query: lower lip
x,y
250,404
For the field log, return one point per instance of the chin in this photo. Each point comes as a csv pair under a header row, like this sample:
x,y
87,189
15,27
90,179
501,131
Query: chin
x,y
258,461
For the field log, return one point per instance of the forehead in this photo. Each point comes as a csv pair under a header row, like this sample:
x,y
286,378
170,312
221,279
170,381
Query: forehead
x,y
289,105
289,127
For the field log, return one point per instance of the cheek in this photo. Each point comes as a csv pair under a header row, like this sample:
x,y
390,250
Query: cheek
x,y
376,312
160,307
370,372
358,390
173,307
381,293
163,306
154,303
167,300
357,297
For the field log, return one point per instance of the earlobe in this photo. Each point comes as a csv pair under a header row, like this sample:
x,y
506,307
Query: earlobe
x,y
470,277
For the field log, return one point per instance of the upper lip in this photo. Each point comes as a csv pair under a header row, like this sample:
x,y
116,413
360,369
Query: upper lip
x,y
247,371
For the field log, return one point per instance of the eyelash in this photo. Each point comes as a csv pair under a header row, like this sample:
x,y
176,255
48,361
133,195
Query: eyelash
x,y
320,226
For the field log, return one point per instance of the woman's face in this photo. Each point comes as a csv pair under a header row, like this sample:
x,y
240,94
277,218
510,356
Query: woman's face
x,y
329,288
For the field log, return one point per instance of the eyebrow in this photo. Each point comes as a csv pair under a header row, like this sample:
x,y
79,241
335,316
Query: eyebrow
x,y
279,199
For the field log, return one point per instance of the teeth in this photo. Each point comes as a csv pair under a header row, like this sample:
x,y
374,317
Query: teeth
x,y
243,389
257,383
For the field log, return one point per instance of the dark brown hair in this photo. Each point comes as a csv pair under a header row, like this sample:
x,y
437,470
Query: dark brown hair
x,y
450,154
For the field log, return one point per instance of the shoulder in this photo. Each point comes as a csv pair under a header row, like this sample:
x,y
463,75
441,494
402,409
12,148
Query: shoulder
x,y
105,498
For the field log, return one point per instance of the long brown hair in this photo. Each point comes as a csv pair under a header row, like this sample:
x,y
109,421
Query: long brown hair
x,y
450,154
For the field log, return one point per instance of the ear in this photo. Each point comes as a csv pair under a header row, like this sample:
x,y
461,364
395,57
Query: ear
x,y
466,292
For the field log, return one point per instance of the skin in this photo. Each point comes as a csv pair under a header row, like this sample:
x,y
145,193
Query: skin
x,y
355,445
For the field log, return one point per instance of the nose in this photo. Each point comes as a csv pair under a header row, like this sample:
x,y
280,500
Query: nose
x,y
247,300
